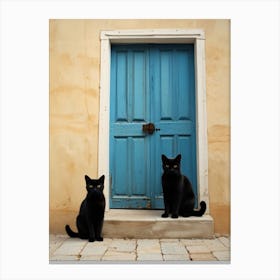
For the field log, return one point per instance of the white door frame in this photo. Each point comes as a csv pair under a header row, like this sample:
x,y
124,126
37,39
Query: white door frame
x,y
160,36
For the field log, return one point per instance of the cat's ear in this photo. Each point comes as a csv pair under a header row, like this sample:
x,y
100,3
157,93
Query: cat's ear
x,y
178,158
87,179
101,179
163,158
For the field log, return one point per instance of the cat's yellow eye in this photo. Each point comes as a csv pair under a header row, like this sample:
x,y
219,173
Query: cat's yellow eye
x,y
167,166
98,186
90,186
175,166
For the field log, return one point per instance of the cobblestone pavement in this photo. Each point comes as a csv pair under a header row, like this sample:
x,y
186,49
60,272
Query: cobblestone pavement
x,y
63,248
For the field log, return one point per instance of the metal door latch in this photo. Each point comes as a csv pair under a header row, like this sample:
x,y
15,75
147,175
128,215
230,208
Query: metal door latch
x,y
149,128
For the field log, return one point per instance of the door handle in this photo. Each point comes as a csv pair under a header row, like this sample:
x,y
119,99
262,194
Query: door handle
x,y
149,128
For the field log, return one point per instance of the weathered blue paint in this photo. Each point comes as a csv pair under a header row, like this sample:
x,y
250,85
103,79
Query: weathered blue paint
x,y
150,83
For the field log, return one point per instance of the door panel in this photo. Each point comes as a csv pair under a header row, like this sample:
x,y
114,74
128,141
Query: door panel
x,y
176,116
139,171
164,63
150,83
129,150
121,103
120,152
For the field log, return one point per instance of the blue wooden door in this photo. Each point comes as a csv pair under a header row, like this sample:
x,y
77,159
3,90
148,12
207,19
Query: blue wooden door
x,y
150,84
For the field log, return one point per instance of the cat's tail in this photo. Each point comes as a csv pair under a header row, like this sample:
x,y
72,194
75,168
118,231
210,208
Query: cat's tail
x,y
70,232
201,211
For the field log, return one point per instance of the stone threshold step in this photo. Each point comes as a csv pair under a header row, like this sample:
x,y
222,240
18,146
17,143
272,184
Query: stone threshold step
x,y
123,223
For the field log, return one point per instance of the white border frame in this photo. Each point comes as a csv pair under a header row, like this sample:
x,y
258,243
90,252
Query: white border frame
x,y
163,36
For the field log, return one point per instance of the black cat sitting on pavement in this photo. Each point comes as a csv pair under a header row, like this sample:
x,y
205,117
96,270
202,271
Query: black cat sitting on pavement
x,y
91,216
179,198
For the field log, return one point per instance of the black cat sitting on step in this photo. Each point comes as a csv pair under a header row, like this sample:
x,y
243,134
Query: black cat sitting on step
x,y
91,216
178,194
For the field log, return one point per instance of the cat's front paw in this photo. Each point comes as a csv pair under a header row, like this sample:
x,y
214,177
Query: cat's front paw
x,y
174,216
164,215
91,239
99,238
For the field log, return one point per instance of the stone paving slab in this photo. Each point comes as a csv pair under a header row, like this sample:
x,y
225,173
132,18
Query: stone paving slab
x,y
150,257
54,238
64,258
55,241
168,240
173,248
202,257
198,249
94,248
215,245
70,246
91,258
122,245
225,241
148,246
222,255
182,257
192,242
107,240
63,248
147,242
119,256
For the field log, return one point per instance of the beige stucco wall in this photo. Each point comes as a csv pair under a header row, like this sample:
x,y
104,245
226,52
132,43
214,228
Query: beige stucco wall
x,y
74,109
